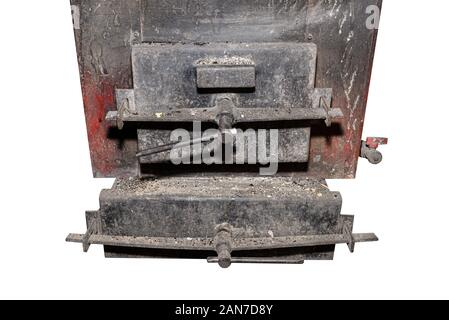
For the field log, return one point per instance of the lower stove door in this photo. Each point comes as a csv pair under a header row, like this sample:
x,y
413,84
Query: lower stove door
x,y
227,220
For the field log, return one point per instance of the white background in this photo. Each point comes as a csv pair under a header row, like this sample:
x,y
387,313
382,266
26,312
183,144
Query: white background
x,y
46,182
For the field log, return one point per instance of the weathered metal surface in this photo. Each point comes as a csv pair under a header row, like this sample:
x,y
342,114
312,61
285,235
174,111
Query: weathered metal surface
x,y
165,75
369,151
293,145
222,76
164,91
246,244
193,207
284,255
220,21
375,142
268,260
148,67
106,31
229,249
268,216
241,115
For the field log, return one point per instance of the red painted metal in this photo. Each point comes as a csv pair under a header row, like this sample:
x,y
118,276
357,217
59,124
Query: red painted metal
x,y
375,142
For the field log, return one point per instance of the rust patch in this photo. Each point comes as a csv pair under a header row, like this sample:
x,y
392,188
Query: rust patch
x,y
99,97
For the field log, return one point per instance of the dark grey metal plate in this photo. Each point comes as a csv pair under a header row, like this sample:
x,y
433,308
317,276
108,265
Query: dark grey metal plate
x,y
165,75
220,77
293,145
193,207
222,20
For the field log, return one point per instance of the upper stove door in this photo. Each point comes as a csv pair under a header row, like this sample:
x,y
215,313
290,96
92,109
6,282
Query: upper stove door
x,y
270,75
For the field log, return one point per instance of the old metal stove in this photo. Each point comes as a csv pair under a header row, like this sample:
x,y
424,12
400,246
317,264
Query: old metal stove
x,y
210,70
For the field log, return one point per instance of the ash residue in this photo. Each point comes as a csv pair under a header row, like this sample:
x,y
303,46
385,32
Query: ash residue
x,y
246,61
259,187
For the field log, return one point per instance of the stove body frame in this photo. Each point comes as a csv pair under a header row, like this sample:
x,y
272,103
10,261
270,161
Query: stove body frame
x,y
143,74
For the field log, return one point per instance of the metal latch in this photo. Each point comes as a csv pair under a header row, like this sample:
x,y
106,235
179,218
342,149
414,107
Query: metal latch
x,y
226,73
369,149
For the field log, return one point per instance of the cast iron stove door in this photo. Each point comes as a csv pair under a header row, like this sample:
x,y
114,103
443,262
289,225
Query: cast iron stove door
x,y
227,85
213,70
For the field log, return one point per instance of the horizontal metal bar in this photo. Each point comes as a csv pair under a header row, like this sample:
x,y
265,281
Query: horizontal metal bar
x,y
288,114
147,242
241,115
243,244
259,260
299,241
